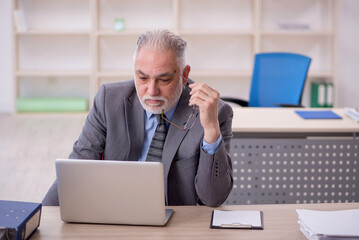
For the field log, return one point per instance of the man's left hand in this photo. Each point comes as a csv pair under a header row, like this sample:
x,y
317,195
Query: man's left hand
x,y
207,99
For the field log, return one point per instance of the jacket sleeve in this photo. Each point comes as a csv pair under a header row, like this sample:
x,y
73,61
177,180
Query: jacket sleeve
x,y
214,179
90,144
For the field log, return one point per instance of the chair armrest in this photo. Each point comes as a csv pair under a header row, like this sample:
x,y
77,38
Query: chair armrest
x,y
240,102
289,105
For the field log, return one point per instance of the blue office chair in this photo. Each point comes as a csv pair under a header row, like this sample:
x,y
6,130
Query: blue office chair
x,y
278,80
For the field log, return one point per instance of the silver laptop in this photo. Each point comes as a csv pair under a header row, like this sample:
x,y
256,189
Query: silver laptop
x,y
112,192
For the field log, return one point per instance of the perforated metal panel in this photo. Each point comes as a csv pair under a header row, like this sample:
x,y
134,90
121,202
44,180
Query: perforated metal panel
x,y
268,171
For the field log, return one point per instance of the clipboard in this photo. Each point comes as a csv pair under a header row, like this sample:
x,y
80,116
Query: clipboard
x,y
228,219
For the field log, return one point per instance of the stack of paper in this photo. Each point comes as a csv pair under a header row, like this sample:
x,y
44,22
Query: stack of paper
x,y
353,113
322,225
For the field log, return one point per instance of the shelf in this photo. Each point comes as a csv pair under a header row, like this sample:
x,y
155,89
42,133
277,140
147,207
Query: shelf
x,y
44,14
115,73
53,52
193,73
231,32
54,32
48,73
247,73
138,14
221,73
216,14
51,115
305,13
199,32
289,33
220,52
320,74
126,32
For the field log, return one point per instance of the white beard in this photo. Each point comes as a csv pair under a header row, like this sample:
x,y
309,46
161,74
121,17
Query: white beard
x,y
168,104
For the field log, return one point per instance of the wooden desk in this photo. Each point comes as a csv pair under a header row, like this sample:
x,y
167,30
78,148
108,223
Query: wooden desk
x,y
188,222
285,120
278,157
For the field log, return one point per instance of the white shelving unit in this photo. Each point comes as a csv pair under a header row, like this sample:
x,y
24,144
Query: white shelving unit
x,y
53,57
70,47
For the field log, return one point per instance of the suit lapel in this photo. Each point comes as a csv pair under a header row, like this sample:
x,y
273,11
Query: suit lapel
x,y
175,135
135,126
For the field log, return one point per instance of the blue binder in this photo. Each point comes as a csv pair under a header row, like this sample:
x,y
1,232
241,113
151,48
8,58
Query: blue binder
x,y
318,114
19,220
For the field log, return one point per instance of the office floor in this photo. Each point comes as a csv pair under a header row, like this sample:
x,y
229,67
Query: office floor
x,y
29,145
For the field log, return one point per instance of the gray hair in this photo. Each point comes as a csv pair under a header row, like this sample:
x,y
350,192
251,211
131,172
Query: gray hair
x,y
163,40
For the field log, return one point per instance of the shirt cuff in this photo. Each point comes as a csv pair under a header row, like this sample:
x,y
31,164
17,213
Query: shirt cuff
x,y
211,148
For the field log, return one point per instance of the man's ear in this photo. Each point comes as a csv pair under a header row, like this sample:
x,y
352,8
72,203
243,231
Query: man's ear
x,y
185,74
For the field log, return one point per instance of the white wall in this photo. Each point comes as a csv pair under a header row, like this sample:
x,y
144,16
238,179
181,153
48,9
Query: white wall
x,y
6,58
347,61
348,54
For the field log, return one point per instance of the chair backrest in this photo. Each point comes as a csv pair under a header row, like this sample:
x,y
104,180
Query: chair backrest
x,y
278,78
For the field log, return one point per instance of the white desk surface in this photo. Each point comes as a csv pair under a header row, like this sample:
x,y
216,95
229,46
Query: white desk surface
x,y
286,120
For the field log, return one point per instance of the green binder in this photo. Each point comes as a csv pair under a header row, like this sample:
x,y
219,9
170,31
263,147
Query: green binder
x,y
322,95
52,105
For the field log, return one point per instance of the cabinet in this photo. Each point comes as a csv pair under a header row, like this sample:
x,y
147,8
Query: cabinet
x,y
70,47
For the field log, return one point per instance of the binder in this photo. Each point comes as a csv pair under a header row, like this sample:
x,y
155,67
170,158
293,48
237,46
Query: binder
x,y
329,96
322,95
19,220
237,219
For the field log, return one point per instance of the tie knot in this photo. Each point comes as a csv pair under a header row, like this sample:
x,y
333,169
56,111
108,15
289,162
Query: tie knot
x,y
160,120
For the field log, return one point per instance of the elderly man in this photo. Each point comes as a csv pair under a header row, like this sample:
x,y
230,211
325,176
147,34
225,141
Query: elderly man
x,y
161,115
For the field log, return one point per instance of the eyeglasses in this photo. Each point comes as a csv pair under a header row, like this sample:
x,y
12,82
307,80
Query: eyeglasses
x,y
189,123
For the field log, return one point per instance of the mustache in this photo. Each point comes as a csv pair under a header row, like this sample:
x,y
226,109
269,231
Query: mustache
x,y
156,98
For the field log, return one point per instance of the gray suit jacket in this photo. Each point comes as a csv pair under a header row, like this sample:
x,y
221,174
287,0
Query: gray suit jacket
x,y
114,130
